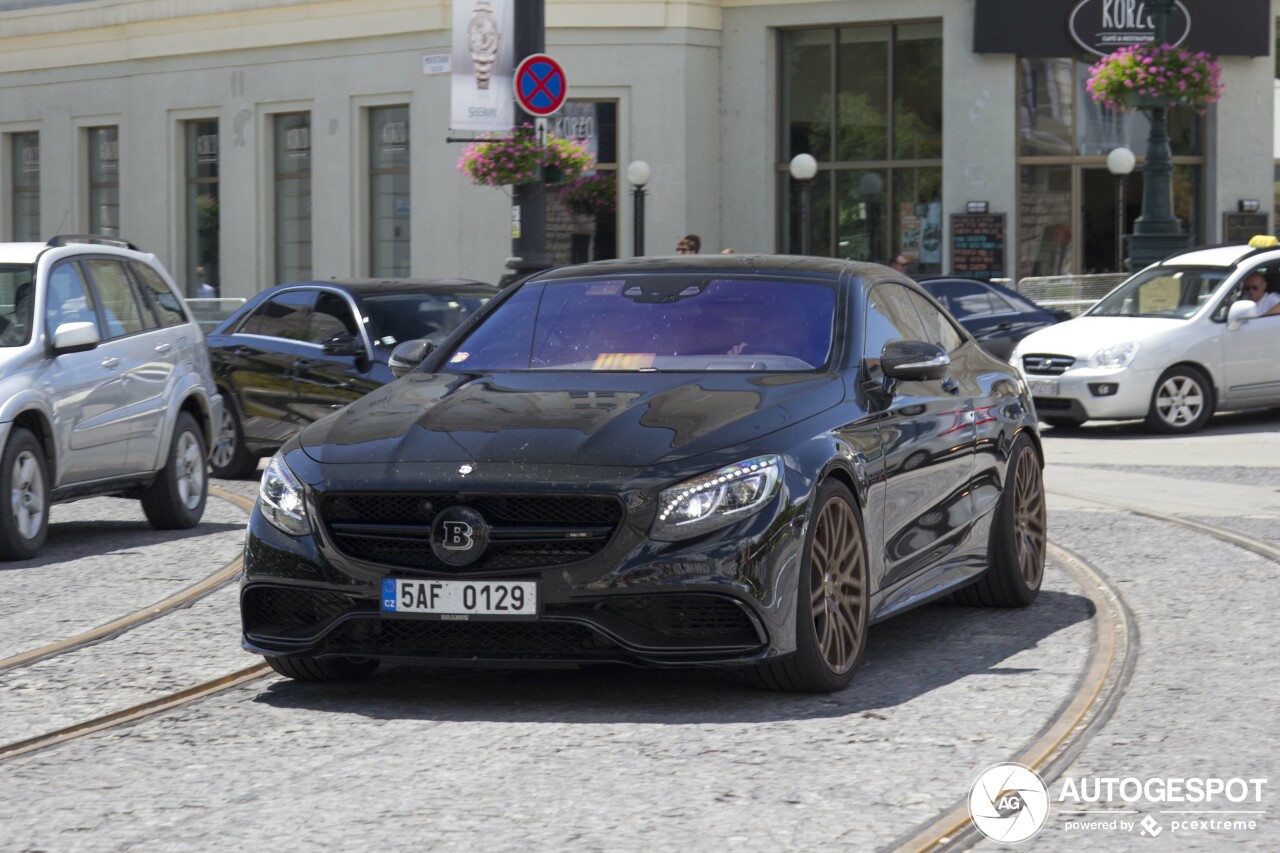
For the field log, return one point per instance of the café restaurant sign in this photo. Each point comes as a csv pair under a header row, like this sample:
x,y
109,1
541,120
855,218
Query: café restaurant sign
x,y
1105,26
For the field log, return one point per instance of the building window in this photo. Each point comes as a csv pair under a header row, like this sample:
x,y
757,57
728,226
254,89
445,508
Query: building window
x,y
104,181
25,180
582,213
202,208
866,102
1067,200
389,191
293,196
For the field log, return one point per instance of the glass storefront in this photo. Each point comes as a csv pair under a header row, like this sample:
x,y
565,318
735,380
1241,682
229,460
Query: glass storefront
x,y
292,143
1068,201
104,181
582,213
866,102
24,178
203,219
389,213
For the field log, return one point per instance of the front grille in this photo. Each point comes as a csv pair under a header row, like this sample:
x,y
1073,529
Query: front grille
x,y
1047,365
560,528
290,613
417,638
701,617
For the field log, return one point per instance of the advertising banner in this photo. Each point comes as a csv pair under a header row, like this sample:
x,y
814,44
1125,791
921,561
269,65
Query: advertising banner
x,y
483,64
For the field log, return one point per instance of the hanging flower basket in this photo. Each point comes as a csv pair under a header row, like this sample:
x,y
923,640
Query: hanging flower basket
x,y
591,195
516,160
1150,75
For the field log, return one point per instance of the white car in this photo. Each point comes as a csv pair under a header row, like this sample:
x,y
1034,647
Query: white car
x,y
1173,344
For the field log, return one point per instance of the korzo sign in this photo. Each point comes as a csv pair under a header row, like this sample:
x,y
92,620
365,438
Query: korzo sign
x,y
1105,26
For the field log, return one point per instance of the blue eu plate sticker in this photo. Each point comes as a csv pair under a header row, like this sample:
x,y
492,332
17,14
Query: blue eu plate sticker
x,y
388,595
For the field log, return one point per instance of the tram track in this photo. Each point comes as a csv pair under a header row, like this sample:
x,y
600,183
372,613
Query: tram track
x,y
116,627
1086,711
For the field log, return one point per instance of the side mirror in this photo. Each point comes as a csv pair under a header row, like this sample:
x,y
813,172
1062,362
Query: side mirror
x,y
914,360
406,357
344,345
75,337
1244,309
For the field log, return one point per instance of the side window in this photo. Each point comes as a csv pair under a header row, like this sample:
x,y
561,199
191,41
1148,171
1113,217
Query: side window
x,y
168,305
890,316
119,298
964,300
331,319
938,328
283,316
69,300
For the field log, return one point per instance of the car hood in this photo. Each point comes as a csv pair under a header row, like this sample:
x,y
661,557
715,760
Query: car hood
x,y
611,419
1084,336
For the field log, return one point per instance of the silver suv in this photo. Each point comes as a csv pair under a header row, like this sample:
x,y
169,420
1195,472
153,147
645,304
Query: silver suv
x,y
105,387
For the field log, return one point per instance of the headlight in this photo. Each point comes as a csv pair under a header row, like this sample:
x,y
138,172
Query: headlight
x,y
1120,355
1015,358
716,499
280,497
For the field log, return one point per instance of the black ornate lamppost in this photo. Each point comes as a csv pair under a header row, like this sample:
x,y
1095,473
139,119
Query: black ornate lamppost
x,y
1157,232
638,174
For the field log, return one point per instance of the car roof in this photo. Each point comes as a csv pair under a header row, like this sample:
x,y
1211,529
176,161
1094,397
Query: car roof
x,y
21,253
728,264
1210,256
369,286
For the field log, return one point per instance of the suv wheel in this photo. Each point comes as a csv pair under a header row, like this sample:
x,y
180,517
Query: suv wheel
x,y
24,482
175,501
229,459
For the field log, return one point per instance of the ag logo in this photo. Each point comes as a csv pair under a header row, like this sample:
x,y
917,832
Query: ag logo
x,y
1009,803
459,536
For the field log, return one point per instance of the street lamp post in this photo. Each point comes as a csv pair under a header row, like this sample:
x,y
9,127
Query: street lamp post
x,y
1157,233
803,168
638,174
529,249
1120,163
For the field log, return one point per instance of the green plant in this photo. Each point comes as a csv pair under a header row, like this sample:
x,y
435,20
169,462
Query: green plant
x,y
516,160
1151,75
591,195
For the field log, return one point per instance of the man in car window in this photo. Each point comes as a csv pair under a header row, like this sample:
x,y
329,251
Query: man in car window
x,y
1255,288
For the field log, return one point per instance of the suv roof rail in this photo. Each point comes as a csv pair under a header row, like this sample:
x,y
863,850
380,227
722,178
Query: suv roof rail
x,y
95,239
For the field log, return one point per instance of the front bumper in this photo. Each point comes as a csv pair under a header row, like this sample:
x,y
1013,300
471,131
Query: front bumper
x,y
727,597
1077,395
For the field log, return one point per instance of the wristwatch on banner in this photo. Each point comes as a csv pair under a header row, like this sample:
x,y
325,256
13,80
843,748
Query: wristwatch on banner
x,y
482,40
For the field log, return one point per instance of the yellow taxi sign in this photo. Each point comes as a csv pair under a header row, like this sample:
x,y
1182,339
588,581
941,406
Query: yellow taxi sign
x,y
1263,241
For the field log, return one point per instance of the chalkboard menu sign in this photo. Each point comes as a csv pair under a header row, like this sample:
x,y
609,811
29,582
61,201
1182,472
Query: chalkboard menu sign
x,y
977,245
1241,227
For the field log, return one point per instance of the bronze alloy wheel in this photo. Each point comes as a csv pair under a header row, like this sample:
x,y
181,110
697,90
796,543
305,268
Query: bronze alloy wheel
x,y
1029,518
837,585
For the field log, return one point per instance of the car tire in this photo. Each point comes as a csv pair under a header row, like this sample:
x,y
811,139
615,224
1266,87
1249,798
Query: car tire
x,y
1064,423
1018,539
1182,401
24,482
175,499
832,601
323,669
229,459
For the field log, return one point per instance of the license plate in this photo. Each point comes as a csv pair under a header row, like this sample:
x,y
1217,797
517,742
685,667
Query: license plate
x,y
461,600
1043,387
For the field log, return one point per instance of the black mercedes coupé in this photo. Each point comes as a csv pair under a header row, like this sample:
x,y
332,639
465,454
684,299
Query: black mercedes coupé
x,y
691,461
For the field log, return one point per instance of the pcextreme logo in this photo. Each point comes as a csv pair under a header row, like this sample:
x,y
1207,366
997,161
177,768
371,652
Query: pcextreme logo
x,y
1008,803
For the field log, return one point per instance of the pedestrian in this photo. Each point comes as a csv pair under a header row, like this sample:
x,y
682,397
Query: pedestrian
x,y
900,263
204,290
727,252
690,244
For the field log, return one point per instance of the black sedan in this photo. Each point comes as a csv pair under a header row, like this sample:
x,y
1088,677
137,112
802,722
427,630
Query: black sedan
x,y
739,460
297,352
996,316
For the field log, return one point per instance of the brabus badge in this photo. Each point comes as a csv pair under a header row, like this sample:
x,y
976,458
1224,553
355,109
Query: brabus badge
x,y
465,470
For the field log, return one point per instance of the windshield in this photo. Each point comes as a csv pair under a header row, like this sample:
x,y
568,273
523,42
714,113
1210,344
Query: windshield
x,y
1162,292
656,322
397,317
16,300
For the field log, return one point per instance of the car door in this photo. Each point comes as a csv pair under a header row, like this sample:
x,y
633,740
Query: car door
x,y
148,358
257,364
927,432
327,381
1251,357
86,389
